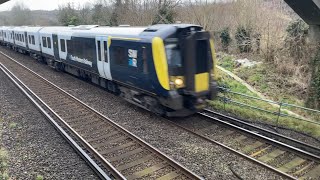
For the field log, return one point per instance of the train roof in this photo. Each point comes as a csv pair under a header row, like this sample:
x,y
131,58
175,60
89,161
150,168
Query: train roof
x,y
33,29
88,30
161,30
20,28
8,28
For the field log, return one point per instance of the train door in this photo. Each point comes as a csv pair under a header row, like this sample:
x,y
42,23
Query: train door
x,y
26,40
103,58
55,46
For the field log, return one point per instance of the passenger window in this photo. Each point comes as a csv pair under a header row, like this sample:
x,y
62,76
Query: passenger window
x,y
29,39
44,41
63,45
49,42
119,56
99,50
105,44
145,60
22,37
33,41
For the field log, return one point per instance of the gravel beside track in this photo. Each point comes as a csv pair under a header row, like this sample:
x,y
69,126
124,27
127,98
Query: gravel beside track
x,y
205,159
34,146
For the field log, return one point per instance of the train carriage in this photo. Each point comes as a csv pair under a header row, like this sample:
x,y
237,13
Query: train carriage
x,y
9,36
1,35
21,39
49,44
165,69
33,41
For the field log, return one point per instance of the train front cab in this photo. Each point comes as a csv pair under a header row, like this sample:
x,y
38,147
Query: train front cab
x,y
190,64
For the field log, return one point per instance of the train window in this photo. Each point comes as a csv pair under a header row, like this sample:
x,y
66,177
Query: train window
x,y
22,37
99,50
44,41
63,45
119,56
202,55
105,45
49,42
29,39
145,59
173,55
33,41
83,48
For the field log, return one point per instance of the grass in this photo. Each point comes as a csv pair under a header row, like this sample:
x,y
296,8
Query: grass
x,y
277,87
267,80
39,177
226,61
256,115
12,125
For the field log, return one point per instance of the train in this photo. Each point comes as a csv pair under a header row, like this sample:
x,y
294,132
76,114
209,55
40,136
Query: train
x,y
168,69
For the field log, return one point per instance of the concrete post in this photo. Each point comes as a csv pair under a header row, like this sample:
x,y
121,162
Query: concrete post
x,y
314,34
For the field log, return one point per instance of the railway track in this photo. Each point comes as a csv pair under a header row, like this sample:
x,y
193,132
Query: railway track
x,y
121,154
285,156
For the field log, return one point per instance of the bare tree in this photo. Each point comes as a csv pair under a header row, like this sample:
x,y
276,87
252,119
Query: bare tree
x,y
85,13
20,15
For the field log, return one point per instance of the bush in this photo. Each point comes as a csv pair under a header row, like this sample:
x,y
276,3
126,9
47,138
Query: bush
x,y
225,39
243,38
295,40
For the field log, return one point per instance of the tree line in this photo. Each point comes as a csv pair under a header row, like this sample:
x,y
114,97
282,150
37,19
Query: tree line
x,y
116,12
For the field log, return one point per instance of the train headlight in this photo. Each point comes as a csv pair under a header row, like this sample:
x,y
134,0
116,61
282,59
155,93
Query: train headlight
x,y
178,82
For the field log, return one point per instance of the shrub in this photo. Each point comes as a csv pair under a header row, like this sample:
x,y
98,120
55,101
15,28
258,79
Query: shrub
x,y
295,40
225,39
243,38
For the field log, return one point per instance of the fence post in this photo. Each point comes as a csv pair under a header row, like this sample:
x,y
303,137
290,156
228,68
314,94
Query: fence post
x,y
224,100
279,113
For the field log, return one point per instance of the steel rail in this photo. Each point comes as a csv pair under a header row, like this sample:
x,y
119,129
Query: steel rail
x,y
276,136
282,174
69,139
172,162
266,139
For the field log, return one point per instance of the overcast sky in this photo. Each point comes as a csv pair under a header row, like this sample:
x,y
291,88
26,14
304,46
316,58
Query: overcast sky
x,y
40,4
